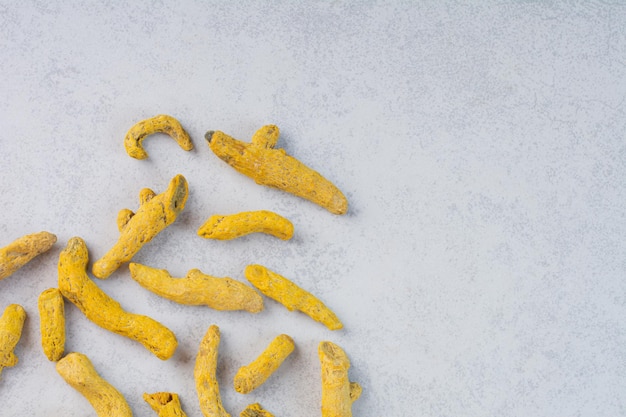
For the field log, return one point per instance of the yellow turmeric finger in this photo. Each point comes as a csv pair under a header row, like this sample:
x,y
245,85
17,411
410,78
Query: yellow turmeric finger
x,y
19,252
11,325
198,289
274,168
236,225
290,295
52,323
154,215
77,287
166,404
338,393
255,410
250,377
204,375
157,124
78,371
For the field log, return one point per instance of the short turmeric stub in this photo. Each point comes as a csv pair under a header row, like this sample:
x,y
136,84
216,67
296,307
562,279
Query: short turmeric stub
x,y
226,227
52,323
255,410
162,123
250,377
338,393
287,293
78,371
11,325
165,404
22,250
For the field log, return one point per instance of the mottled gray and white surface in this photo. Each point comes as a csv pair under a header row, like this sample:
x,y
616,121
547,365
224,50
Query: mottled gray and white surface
x,y
481,268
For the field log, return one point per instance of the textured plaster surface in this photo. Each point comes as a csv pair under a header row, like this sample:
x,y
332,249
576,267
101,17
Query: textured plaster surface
x,y
480,270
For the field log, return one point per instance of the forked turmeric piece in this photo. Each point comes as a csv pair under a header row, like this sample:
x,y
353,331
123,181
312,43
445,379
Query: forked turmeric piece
x,y
78,371
290,295
255,410
161,123
274,168
338,393
97,306
250,377
166,404
198,289
52,323
156,212
204,374
11,325
19,252
236,225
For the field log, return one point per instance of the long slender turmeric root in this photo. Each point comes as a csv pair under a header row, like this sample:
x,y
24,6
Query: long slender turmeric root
x,y
11,325
338,393
204,374
22,250
156,212
166,404
104,311
274,168
251,376
157,124
198,289
236,225
291,296
52,323
78,371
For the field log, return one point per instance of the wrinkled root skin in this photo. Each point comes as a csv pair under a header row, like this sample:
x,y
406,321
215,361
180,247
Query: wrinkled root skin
x,y
255,410
22,250
291,296
162,123
80,290
156,212
338,393
274,168
204,373
232,226
52,323
225,294
78,371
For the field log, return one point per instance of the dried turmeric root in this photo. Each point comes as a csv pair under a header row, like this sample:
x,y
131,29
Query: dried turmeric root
x,y
255,410
78,371
204,375
166,404
156,212
250,377
274,168
157,124
52,323
236,225
19,252
290,295
104,311
11,325
338,393
198,289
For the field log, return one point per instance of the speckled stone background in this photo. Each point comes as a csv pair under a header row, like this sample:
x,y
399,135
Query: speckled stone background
x,y
480,270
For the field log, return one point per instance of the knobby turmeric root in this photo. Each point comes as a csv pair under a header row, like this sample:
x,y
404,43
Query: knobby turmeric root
x,y
274,168
166,404
236,225
157,124
78,371
250,377
104,311
198,289
19,252
204,375
255,410
290,295
52,323
156,212
338,393
11,325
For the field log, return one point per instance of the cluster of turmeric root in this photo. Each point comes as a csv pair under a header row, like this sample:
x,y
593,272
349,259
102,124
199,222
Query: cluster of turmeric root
x,y
266,165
